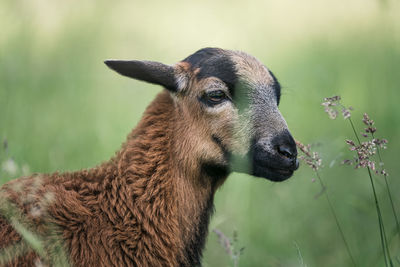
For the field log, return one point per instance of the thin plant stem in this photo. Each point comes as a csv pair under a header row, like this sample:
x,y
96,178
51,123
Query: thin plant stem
x,y
385,248
390,241
336,219
382,241
299,255
354,130
389,193
382,226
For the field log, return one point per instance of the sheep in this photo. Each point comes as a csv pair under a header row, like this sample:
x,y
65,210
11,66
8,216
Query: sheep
x,y
151,203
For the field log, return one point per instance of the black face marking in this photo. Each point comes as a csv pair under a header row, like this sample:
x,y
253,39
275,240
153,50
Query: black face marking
x,y
278,165
215,171
213,63
277,88
198,58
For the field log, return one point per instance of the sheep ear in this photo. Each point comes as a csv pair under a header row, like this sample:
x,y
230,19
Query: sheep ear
x,y
148,71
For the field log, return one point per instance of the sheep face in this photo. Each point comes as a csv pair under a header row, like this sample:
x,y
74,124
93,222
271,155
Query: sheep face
x,y
227,103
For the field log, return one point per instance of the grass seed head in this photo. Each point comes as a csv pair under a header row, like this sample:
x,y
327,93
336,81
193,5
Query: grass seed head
x,y
312,159
331,106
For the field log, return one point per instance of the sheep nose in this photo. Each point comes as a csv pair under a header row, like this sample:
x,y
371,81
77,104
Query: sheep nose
x,y
286,148
289,152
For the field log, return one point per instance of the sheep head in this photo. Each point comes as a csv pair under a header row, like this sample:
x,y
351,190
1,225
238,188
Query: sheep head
x,y
227,103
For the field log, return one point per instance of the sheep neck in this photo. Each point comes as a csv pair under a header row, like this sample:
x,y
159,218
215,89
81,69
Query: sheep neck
x,y
171,191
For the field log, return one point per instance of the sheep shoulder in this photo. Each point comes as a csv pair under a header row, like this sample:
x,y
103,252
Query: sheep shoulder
x,y
118,213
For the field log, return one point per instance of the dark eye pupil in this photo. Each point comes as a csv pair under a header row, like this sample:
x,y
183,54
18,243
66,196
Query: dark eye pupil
x,y
216,96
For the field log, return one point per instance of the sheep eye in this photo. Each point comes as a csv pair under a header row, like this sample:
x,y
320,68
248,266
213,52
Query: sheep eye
x,y
215,97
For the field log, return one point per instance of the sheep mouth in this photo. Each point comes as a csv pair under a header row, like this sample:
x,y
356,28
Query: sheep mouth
x,y
271,173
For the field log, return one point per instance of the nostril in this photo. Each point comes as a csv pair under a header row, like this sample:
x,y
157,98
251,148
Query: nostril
x,y
286,151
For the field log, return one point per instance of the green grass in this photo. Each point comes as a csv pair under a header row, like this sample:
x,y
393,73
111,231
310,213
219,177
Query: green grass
x,y
62,109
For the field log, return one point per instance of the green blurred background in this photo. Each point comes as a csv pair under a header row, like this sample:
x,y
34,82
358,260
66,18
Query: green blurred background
x,y
62,109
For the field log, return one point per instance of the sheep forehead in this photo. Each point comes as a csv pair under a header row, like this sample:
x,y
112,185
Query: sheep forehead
x,y
213,62
233,68
251,70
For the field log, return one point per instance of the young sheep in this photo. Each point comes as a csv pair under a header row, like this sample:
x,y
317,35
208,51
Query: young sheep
x,y
151,203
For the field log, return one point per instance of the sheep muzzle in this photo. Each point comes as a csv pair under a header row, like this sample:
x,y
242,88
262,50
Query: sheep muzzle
x,y
274,159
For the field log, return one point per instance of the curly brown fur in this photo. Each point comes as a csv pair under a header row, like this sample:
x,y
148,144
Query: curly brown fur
x,y
132,209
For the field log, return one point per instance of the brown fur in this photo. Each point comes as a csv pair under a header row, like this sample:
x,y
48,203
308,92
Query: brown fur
x,y
137,209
